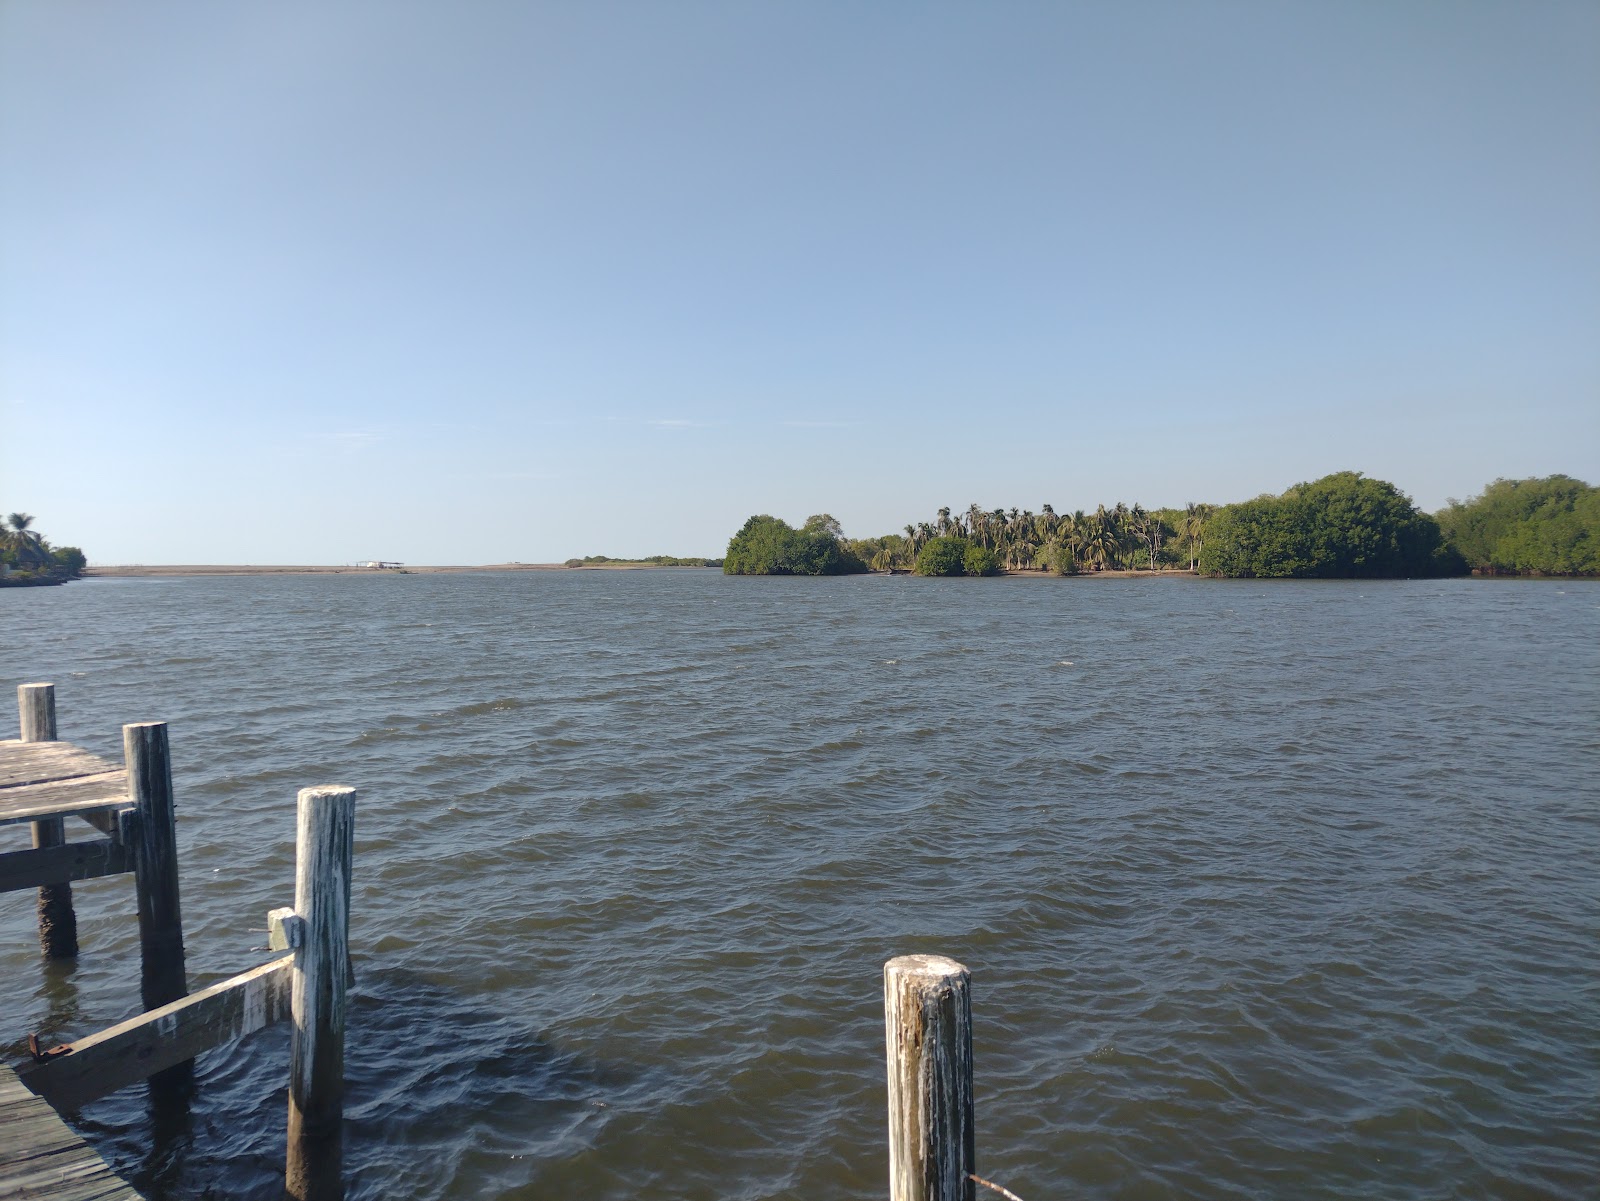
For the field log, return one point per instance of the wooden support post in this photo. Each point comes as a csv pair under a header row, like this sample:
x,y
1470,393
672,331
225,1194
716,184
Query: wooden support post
x,y
152,837
36,704
58,923
324,848
927,1009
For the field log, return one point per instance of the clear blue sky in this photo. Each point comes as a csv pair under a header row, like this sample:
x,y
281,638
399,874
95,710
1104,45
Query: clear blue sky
x,y
475,282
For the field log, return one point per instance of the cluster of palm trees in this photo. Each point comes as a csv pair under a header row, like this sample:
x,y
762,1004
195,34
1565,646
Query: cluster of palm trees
x,y
1122,536
24,549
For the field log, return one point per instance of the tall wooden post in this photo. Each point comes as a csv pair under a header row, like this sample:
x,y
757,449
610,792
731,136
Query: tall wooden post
x,y
324,848
58,924
927,1010
153,838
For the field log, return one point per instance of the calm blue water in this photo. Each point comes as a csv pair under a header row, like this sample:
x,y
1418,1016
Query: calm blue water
x,y
1279,890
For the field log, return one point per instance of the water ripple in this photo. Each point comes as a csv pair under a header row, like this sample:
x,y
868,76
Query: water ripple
x,y
1267,890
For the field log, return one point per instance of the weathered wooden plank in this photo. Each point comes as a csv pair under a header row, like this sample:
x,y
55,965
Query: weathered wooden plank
x,y
927,1009
24,763
79,796
41,1158
325,843
57,864
164,1037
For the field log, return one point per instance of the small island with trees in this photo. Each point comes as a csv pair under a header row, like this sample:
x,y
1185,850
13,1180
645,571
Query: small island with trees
x,y
1342,526
28,560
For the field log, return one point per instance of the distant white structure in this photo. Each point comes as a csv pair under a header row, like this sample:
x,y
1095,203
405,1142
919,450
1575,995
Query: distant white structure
x,y
378,563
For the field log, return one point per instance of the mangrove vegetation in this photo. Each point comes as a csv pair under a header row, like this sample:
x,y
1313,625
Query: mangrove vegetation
x,y
1342,526
1548,526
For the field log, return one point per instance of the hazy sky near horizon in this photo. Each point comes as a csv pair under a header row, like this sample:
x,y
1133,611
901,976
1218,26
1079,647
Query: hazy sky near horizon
x,y
482,282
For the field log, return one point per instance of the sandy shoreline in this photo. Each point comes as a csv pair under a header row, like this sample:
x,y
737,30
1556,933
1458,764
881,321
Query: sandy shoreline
x,y
142,569
202,569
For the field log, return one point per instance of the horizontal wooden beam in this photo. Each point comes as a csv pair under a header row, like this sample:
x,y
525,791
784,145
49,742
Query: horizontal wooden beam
x,y
62,863
76,1073
110,820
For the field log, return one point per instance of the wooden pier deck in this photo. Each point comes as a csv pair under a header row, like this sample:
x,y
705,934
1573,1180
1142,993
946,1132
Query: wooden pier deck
x,y
45,782
41,1158
56,779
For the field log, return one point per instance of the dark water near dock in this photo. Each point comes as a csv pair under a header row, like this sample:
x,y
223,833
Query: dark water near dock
x,y
1283,890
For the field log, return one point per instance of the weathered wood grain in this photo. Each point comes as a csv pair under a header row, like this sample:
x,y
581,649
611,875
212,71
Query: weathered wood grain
x,y
285,930
927,1007
42,866
325,844
40,1157
38,762
36,709
76,796
152,836
163,1038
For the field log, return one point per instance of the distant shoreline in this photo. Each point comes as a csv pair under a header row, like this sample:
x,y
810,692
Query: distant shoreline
x,y
210,569
113,571
141,569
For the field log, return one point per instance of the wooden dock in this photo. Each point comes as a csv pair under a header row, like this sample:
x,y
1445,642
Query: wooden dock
x,y
44,782
927,1005
40,1157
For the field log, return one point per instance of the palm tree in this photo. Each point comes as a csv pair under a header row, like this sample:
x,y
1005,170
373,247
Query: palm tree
x,y
25,543
1194,528
1144,527
1073,533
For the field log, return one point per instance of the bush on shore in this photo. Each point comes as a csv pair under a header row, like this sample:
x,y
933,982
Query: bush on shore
x,y
980,560
943,556
767,545
1341,526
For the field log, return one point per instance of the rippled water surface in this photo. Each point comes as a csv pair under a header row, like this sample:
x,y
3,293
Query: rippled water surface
x,y
1283,890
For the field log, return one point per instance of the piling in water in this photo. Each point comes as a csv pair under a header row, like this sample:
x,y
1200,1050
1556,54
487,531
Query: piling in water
x,y
927,1010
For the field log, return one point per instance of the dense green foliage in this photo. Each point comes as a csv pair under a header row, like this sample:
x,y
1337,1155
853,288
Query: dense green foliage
x,y
1343,525
943,556
1019,539
770,546
980,560
1340,526
26,557
1547,526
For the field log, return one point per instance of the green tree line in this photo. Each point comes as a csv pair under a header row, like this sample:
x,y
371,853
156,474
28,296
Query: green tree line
x,y
1548,526
26,556
1343,525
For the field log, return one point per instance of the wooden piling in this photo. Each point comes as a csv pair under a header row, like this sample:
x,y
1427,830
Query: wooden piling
x,y
36,704
58,922
927,1007
324,848
152,836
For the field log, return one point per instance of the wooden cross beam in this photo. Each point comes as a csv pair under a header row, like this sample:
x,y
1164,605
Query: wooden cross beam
x,y
75,1073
